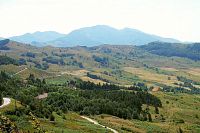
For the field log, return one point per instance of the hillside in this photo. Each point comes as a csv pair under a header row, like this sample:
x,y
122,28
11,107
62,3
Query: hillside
x,y
126,63
191,51
98,82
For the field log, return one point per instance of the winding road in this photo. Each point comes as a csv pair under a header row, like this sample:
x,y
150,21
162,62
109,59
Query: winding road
x,y
96,123
6,101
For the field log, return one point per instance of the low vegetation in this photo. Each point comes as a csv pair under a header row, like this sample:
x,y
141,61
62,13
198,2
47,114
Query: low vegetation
x,y
127,88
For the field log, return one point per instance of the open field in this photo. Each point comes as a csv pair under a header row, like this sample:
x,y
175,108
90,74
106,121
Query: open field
x,y
152,78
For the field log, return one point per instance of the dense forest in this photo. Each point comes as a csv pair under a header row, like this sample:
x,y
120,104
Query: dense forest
x,y
190,51
3,44
88,99
5,60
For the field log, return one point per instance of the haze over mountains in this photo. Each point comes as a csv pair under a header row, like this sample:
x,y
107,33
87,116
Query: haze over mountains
x,y
37,38
91,36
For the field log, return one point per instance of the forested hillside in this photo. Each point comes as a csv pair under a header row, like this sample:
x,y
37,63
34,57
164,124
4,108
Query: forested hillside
x,y
53,87
191,51
92,101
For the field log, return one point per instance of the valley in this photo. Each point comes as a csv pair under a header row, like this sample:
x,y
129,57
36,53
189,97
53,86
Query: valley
x,y
82,81
99,66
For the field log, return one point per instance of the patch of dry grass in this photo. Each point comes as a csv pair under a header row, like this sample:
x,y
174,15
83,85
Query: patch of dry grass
x,y
152,77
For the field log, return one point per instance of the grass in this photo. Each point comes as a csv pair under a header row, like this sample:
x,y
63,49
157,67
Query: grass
x,y
179,111
61,79
72,124
151,77
12,69
11,106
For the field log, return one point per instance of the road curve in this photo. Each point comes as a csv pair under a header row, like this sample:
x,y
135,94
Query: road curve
x,y
96,123
6,101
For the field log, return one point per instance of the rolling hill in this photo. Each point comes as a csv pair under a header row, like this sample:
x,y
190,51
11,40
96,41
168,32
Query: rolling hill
x,y
191,51
64,73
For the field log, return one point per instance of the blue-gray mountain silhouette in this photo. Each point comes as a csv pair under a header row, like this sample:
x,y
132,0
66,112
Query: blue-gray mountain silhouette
x,y
91,36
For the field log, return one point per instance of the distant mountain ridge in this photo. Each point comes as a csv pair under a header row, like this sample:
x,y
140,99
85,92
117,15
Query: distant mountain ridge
x,y
91,36
37,38
101,34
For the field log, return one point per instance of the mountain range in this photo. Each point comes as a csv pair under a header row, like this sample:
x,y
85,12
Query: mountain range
x,y
37,38
91,36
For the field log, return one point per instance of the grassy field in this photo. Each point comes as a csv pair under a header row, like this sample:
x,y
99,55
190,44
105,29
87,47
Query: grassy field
x,y
12,69
152,77
179,111
72,123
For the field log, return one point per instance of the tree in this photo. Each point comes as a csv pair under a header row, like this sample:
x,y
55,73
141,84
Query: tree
x,y
52,118
43,81
31,79
1,98
156,110
149,117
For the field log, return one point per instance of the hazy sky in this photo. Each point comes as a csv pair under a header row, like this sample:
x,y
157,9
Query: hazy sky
x,y
179,19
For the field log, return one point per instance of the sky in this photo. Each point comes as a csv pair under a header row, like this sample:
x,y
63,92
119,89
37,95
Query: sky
x,y
179,19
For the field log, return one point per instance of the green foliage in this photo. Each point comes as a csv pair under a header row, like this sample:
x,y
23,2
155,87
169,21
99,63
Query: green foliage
x,y
6,125
5,60
186,83
102,60
156,110
93,76
123,104
149,117
3,44
53,60
22,61
52,118
1,98
29,54
190,51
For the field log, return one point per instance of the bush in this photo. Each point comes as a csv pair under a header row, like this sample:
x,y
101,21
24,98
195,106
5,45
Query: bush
x,y
52,118
179,121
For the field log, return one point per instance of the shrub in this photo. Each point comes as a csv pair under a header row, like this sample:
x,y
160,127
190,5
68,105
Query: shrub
x,y
52,118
